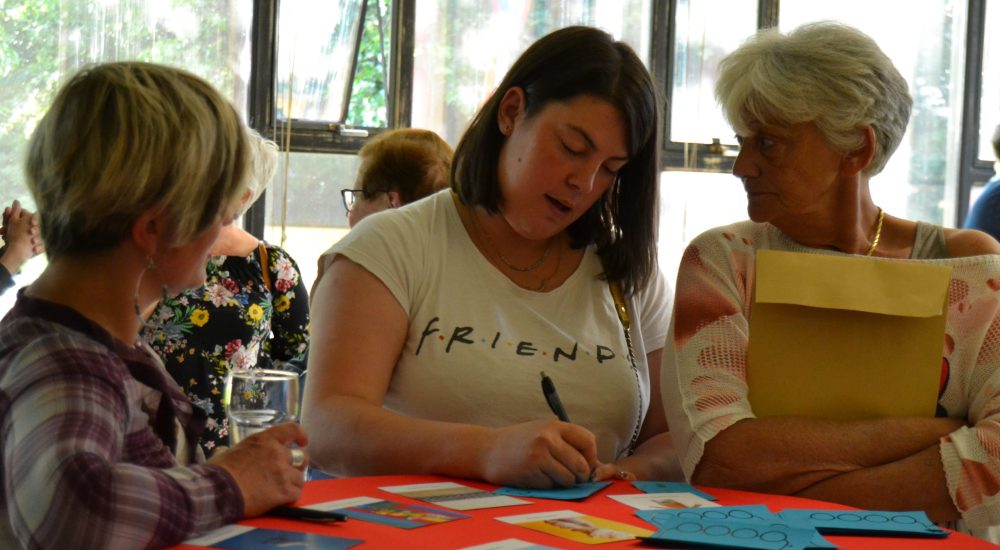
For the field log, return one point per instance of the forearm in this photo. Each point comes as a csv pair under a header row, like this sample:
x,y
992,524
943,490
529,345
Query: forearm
x,y
892,486
351,437
655,459
788,454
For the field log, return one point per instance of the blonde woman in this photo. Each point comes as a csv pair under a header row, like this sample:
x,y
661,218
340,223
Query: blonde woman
x,y
135,169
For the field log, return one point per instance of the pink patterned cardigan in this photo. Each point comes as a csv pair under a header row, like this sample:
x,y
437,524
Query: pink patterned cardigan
x,y
704,361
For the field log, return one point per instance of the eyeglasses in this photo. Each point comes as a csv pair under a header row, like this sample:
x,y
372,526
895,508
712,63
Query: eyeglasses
x,y
350,197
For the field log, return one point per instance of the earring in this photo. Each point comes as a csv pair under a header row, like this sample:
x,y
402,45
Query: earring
x,y
508,128
135,296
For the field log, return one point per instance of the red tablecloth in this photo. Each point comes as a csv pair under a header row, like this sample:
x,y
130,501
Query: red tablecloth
x,y
482,528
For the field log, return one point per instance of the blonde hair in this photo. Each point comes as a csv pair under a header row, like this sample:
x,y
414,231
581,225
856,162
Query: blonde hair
x,y
263,163
123,138
827,73
410,161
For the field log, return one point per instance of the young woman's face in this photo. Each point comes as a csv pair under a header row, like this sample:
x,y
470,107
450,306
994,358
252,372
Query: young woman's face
x,y
557,163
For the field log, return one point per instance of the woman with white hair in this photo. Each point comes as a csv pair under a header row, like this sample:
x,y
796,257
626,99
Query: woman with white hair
x,y
253,311
818,112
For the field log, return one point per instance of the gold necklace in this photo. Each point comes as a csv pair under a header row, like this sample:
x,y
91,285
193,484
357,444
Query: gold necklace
x,y
493,247
545,281
878,232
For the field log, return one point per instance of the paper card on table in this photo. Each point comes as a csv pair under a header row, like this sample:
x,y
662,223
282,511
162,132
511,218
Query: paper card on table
x,y
510,544
748,512
454,495
660,501
752,513
577,527
707,533
243,537
867,522
845,337
579,491
387,512
670,487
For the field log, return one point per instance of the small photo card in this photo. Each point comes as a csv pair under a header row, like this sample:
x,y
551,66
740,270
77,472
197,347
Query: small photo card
x,y
454,495
578,527
387,512
661,501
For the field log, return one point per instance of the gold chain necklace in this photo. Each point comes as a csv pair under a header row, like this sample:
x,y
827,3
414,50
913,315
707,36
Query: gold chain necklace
x,y
545,281
493,247
878,232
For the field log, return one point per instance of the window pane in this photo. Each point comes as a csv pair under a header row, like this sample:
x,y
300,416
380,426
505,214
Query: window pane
x,y
315,53
921,178
314,216
702,39
693,202
463,49
45,41
989,106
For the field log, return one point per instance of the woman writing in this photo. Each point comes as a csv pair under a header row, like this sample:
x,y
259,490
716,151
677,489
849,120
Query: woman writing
x,y
434,320
135,169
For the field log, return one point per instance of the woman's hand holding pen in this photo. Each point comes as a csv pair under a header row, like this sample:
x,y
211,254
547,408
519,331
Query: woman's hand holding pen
x,y
540,454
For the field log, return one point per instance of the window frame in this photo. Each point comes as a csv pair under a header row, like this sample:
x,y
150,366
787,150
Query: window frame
x,y
318,137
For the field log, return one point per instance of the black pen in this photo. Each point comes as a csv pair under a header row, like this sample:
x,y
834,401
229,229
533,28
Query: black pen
x,y
552,398
307,514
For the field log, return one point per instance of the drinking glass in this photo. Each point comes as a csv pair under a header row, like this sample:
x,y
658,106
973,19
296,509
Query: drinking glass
x,y
257,399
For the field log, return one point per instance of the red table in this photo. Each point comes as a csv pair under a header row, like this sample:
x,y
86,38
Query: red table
x,y
482,528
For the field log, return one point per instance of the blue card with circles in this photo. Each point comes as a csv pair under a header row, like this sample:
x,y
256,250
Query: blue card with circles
x,y
867,522
714,533
751,513
579,491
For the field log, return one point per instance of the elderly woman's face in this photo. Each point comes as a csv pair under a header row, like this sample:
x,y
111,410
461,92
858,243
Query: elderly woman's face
x,y
788,172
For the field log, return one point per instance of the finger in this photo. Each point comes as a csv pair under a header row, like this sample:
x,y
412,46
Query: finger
x,y
288,433
583,445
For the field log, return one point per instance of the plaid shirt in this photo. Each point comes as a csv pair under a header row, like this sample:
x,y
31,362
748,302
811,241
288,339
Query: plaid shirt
x,y
89,445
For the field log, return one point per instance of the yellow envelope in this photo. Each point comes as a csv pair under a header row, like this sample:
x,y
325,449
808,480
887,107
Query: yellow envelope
x,y
845,337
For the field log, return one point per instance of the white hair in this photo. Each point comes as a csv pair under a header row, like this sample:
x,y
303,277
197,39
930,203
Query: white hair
x,y
263,163
827,73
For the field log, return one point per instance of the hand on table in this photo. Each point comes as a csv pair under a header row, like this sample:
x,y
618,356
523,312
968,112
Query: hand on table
x,y
262,467
541,455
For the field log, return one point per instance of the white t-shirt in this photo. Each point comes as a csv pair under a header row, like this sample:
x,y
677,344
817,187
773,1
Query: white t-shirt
x,y
477,342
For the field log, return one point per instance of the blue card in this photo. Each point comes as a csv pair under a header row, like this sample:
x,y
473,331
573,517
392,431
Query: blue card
x,y
670,487
709,533
752,513
579,491
867,522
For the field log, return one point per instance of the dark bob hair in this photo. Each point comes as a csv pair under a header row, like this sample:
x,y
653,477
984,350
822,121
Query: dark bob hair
x,y
572,62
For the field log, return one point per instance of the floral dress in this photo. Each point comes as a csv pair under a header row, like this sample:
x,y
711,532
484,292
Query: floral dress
x,y
234,321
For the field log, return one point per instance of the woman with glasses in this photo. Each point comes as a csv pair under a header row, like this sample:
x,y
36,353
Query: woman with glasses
x,y
397,168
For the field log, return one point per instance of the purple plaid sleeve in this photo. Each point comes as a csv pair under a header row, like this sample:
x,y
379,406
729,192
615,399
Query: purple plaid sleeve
x,y
81,466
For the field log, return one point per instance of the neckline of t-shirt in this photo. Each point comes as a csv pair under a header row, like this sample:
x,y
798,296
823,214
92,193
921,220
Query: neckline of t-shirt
x,y
483,263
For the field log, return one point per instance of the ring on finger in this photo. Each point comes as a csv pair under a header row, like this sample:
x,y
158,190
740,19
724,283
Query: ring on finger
x,y
298,457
